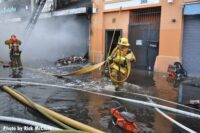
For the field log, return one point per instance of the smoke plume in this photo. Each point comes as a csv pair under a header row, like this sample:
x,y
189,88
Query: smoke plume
x,y
52,38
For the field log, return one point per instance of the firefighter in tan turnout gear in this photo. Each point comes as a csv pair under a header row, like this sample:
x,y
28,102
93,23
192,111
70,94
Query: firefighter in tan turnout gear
x,y
120,59
15,53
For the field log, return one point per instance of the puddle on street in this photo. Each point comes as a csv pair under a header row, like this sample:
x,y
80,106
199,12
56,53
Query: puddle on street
x,y
93,109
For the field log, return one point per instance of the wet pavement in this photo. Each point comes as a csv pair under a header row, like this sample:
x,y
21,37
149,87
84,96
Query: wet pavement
x,y
93,109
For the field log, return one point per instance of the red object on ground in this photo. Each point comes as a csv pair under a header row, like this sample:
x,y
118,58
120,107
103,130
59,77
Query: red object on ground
x,y
125,120
176,72
172,73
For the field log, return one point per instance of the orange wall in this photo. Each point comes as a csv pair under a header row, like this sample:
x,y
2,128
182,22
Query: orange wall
x,y
170,35
96,34
100,22
170,32
190,1
122,21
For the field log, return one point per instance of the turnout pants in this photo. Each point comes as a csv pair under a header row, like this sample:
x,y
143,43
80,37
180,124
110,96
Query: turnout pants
x,y
16,61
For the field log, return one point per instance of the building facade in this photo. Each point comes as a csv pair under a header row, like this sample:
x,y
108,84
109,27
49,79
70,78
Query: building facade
x,y
65,23
160,31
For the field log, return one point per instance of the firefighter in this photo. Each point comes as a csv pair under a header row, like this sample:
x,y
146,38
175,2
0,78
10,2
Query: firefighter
x,y
118,58
15,54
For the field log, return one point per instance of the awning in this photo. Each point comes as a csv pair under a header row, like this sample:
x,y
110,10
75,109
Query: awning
x,y
192,9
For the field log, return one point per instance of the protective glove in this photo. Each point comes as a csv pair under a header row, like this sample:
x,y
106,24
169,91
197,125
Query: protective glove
x,y
122,58
109,58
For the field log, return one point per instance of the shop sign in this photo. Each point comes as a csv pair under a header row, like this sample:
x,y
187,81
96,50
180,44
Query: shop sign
x,y
117,4
139,42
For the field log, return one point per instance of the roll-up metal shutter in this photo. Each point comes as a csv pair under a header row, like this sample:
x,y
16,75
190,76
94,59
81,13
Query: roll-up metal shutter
x,y
191,45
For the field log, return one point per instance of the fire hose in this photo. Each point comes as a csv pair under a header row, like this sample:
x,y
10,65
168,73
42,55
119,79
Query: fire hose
x,y
56,116
84,70
171,119
185,113
96,66
44,113
156,107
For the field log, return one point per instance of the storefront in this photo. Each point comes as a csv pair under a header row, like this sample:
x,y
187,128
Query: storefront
x,y
153,27
14,9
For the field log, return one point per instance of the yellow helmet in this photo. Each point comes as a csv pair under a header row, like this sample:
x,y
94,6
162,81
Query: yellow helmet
x,y
124,41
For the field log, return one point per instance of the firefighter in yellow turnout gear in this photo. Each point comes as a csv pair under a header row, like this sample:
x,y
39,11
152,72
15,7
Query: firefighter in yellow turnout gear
x,y
15,54
120,62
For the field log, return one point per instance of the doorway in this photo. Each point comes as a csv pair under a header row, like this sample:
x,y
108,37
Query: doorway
x,y
144,30
109,35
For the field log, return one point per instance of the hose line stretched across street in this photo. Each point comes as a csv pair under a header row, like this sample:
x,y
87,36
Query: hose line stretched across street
x,y
160,99
55,115
174,110
143,95
139,94
44,113
171,119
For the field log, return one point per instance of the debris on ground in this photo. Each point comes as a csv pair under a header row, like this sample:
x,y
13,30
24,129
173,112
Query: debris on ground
x,y
71,60
176,72
194,104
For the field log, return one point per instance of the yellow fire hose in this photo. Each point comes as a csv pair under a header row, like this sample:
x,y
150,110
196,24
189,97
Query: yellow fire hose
x,y
128,64
96,66
84,70
127,75
56,115
44,113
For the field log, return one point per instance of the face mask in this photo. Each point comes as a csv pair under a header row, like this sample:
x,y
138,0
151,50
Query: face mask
x,y
14,39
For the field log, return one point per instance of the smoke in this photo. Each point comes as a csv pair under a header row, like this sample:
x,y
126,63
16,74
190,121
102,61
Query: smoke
x,y
51,39
56,37
6,30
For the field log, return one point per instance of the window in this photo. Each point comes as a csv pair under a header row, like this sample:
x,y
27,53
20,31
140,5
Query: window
x,y
143,1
